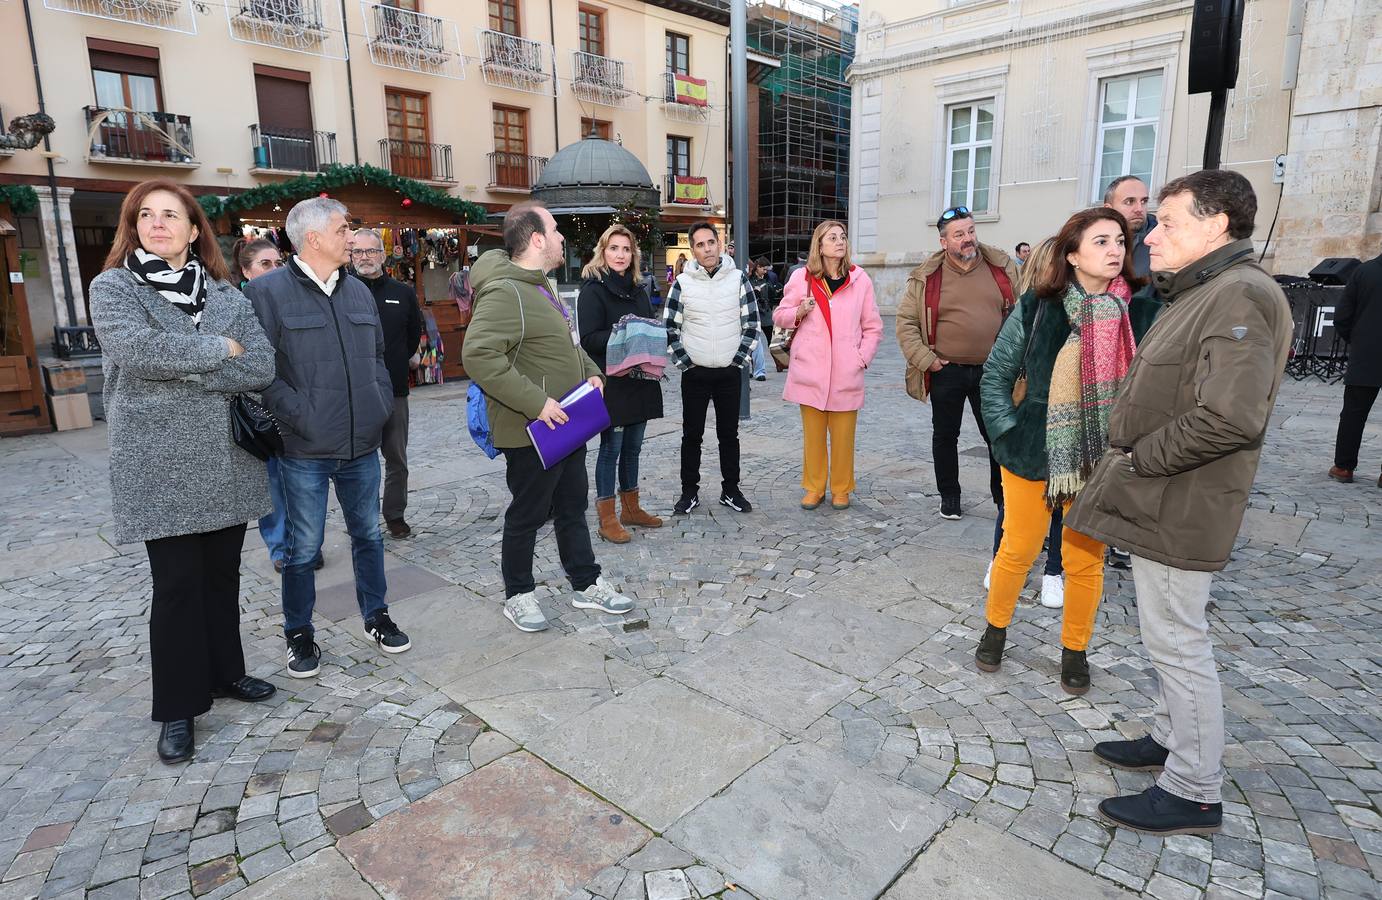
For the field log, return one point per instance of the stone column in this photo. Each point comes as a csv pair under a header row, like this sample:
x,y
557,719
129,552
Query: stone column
x,y
51,222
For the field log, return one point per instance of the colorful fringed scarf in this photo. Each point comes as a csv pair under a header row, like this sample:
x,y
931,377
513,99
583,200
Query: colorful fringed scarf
x,y
1088,371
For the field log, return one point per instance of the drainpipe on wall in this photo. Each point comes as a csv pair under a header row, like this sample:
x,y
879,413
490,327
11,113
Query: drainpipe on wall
x,y
556,122
350,83
52,178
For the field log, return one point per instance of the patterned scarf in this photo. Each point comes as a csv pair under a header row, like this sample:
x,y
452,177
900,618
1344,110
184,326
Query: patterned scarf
x,y
1084,383
185,288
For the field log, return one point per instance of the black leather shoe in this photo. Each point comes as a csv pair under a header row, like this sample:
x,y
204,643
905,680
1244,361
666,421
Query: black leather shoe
x,y
1156,812
1141,755
989,654
176,740
1074,671
250,690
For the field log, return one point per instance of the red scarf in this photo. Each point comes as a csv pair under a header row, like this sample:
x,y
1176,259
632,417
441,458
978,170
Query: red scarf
x,y
822,294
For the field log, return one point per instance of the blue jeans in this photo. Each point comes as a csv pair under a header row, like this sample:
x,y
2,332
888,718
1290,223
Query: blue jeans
x,y
305,484
1054,563
273,527
619,449
760,356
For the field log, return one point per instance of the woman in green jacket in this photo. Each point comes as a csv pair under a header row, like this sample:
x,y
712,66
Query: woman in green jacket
x,y
1067,345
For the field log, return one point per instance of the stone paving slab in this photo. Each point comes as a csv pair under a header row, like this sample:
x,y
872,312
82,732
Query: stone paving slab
x,y
40,558
337,601
765,681
528,694
839,635
323,874
972,861
514,829
806,823
476,635
657,750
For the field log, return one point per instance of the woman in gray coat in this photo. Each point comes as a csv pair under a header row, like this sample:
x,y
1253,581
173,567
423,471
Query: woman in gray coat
x,y
179,341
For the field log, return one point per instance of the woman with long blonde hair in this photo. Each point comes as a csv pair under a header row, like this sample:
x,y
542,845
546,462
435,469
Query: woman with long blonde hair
x,y
830,304
611,290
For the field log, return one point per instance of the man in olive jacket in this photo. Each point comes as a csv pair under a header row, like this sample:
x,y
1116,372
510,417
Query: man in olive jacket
x,y
521,351
1185,436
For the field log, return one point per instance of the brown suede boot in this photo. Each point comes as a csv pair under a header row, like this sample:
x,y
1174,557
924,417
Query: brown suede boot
x,y
630,513
610,529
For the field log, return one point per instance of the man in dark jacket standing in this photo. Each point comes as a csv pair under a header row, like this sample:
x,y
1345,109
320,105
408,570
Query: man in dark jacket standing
x,y
331,397
1185,435
1358,320
402,323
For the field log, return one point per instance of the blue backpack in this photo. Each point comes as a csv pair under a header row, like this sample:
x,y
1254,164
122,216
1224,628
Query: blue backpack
x,y
477,402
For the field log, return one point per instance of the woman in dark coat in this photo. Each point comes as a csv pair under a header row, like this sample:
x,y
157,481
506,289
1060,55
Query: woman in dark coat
x,y
609,292
179,342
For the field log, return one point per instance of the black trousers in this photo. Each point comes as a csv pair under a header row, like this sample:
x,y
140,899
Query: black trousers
x,y
1358,400
700,387
558,493
194,620
950,388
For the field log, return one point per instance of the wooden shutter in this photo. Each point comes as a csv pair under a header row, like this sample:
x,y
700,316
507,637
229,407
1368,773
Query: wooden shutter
x,y
284,103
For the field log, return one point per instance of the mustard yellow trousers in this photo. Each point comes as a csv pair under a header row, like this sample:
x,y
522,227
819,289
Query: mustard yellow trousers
x,y
835,463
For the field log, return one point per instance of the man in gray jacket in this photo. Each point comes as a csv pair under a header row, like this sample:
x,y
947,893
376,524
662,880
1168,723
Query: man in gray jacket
x,y
331,397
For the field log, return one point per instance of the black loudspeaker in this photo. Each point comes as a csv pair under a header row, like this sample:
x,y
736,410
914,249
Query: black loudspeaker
x,y
1335,270
1215,29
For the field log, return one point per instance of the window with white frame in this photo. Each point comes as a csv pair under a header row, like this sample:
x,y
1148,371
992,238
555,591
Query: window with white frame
x,y
969,154
1129,112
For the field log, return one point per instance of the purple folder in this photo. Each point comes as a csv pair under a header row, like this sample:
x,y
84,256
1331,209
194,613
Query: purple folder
x,y
586,417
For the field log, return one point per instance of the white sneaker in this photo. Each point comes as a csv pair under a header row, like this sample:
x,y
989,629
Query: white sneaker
x,y
602,597
987,573
522,610
1052,591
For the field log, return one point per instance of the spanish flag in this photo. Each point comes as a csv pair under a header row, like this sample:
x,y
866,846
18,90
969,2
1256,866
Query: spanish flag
x,y
690,189
690,90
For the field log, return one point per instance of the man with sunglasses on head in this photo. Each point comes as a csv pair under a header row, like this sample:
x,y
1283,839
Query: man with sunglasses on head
x,y
947,321
402,322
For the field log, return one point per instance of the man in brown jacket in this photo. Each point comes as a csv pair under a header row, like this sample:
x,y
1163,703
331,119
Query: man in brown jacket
x,y
1185,436
946,324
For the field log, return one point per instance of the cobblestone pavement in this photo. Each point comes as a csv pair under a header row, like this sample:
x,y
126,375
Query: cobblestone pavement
x,y
778,663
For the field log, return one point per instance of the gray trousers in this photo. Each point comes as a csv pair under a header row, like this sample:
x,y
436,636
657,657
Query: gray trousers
x,y
395,450
1189,718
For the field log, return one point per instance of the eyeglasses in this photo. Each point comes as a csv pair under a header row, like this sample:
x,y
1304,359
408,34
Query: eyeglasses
x,y
954,211
370,252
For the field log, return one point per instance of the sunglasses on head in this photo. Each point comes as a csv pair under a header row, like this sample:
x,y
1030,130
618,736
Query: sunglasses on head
x,y
952,213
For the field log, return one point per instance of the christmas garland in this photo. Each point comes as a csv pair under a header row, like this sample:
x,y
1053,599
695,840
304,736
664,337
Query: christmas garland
x,y
335,177
21,198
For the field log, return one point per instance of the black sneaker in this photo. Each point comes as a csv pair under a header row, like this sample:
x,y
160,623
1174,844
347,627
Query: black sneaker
x,y
950,508
687,503
1156,812
304,656
1119,559
735,501
1141,755
381,629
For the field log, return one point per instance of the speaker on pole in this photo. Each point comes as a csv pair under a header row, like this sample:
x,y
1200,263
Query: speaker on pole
x,y
1216,28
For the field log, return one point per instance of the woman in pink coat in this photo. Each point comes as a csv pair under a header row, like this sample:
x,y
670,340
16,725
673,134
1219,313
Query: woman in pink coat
x,y
830,304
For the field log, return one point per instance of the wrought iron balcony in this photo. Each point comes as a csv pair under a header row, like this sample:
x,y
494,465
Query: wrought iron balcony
x,y
292,150
694,184
514,171
598,79
126,135
510,61
304,26
413,41
417,159
677,104
170,15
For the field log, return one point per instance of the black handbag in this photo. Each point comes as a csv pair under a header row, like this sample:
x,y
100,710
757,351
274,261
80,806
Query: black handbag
x,y
254,428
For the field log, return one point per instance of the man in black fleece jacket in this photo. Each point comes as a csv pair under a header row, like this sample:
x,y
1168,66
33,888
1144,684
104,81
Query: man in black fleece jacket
x,y
402,323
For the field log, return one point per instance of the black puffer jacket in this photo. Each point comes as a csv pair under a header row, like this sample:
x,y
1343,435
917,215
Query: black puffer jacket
x,y
333,393
1358,320
402,322
602,303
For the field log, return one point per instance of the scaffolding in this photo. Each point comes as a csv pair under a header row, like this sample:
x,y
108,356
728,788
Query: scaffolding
x,y
803,122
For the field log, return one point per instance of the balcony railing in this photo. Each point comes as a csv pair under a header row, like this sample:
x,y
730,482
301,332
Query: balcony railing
x,y
691,186
598,79
417,159
510,61
413,41
514,171
126,135
680,103
304,26
291,149
170,15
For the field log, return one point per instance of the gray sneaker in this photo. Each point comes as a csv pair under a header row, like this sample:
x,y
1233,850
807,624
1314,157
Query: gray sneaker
x,y
522,610
602,597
